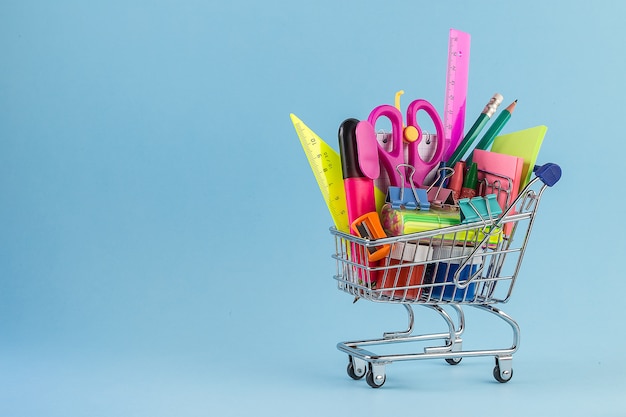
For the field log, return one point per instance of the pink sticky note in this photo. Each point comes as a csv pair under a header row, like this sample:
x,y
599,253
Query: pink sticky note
x,y
503,173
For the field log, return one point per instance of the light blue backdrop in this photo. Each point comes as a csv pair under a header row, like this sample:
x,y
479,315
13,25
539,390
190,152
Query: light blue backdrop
x,y
163,244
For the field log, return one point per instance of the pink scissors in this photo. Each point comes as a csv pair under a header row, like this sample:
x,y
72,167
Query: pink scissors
x,y
412,133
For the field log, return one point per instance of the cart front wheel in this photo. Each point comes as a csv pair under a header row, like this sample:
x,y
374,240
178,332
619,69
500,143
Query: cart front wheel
x,y
502,378
375,380
453,361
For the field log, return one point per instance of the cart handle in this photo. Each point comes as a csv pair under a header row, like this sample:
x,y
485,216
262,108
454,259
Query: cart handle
x,y
549,173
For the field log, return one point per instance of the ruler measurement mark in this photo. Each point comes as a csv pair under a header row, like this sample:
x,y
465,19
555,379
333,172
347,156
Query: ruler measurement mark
x,y
326,166
456,89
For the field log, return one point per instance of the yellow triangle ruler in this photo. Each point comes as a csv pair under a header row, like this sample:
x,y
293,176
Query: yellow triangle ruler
x,y
326,165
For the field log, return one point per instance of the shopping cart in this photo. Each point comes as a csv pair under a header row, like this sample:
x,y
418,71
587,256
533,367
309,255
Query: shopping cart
x,y
474,264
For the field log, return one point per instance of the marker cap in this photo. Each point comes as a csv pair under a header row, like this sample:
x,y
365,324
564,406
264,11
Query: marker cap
x,y
471,178
456,181
348,149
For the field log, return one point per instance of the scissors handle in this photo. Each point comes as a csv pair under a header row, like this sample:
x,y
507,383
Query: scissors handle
x,y
390,159
423,168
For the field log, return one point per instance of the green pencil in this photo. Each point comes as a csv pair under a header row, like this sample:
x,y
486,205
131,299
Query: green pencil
x,y
474,131
494,129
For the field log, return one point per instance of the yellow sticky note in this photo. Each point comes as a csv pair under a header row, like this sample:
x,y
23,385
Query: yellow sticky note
x,y
523,144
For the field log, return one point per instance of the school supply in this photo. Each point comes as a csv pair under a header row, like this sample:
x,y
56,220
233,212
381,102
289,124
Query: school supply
x,y
499,174
437,194
524,144
398,222
408,262
494,130
475,130
470,182
411,197
408,198
368,227
326,166
456,181
358,187
457,75
479,209
367,151
444,273
412,133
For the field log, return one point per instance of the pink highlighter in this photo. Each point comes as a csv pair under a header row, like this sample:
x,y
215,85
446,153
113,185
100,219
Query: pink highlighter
x,y
359,165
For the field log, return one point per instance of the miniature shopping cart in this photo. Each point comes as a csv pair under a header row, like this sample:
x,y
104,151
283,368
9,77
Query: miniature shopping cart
x,y
471,264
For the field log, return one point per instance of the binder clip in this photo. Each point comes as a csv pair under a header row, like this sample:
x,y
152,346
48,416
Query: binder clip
x,y
412,198
438,195
500,185
479,208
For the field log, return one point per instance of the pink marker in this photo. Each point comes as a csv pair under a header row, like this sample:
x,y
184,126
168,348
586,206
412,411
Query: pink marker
x,y
358,185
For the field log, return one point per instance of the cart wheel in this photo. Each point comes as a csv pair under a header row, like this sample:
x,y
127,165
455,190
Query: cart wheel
x,y
374,381
498,376
355,373
453,361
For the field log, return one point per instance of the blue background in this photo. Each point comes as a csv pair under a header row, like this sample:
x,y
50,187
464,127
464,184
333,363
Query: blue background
x,y
164,249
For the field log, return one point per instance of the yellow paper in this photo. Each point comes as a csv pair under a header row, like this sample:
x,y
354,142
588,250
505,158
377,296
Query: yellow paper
x,y
523,144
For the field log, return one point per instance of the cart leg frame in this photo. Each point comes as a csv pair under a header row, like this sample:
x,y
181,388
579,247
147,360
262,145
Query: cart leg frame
x,y
363,362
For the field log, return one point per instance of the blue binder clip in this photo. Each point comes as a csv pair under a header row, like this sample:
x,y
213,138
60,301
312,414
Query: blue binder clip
x,y
479,208
412,198
408,198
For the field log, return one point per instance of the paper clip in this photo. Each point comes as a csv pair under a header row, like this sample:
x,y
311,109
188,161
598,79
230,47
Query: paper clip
x,y
407,198
479,208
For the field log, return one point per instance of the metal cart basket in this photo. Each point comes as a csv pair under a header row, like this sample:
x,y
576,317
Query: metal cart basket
x,y
472,264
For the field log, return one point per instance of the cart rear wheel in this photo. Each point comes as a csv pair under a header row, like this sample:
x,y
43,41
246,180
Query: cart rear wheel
x,y
355,373
453,361
499,377
374,381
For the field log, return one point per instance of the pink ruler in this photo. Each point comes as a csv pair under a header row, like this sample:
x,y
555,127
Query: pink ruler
x,y
456,90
